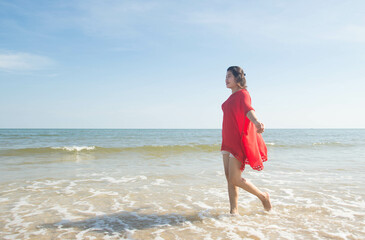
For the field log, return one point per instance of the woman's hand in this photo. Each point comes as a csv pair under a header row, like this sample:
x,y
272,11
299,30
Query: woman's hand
x,y
252,116
259,126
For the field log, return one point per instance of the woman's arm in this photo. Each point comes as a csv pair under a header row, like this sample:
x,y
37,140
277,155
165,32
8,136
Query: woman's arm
x,y
252,116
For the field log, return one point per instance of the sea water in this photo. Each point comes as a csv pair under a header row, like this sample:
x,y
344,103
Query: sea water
x,y
170,184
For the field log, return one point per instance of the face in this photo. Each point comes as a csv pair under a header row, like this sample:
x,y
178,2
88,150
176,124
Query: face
x,y
230,80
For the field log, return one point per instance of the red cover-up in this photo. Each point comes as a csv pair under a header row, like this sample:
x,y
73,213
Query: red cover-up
x,y
239,134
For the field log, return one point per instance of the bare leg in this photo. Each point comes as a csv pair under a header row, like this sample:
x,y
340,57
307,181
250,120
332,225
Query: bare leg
x,y
232,189
233,198
234,177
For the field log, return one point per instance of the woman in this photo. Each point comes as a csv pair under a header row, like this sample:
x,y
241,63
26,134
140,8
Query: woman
x,y
242,142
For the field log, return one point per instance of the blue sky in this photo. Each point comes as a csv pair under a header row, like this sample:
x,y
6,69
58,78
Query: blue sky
x,y
162,64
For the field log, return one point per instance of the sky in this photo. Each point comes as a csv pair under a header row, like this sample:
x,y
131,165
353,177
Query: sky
x,y
162,64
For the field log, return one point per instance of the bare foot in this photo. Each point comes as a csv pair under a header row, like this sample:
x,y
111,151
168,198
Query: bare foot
x,y
234,212
266,201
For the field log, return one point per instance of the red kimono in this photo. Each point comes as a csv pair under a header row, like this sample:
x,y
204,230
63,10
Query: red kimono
x,y
239,134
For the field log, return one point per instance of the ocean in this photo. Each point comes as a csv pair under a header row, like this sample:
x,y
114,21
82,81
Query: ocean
x,y
170,184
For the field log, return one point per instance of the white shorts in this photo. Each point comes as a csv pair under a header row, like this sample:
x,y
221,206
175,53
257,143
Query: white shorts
x,y
226,152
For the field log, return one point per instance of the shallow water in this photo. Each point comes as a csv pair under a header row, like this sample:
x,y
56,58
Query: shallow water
x,y
170,184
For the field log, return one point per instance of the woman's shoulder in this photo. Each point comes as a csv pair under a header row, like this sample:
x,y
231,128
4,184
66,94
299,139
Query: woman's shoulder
x,y
244,92
243,95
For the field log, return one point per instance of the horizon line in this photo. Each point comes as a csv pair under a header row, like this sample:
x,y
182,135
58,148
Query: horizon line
x,y
182,128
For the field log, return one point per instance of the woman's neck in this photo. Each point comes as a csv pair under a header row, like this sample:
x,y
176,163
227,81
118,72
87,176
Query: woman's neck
x,y
236,89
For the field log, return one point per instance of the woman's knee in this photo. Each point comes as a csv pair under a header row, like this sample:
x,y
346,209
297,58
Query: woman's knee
x,y
234,180
237,180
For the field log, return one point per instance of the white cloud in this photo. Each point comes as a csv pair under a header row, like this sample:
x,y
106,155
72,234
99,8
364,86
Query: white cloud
x,y
347,33
23,62
282,21
105,19
124,49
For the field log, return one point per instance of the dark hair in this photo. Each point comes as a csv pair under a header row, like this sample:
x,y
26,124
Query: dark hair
x,y
239,75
